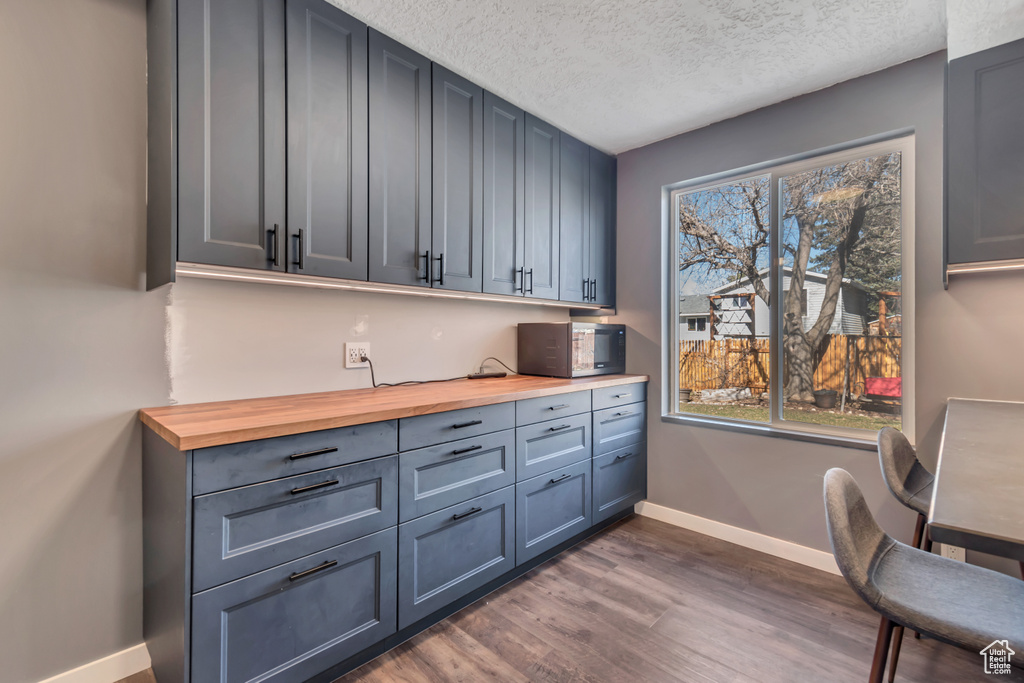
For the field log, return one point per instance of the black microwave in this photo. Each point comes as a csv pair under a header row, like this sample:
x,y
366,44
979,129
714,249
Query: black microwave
x,y
571,349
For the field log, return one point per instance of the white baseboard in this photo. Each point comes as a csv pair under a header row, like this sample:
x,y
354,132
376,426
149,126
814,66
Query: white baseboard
x,y
787,550
108,669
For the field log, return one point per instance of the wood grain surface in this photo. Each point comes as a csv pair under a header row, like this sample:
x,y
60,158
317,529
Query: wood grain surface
x,y
213,424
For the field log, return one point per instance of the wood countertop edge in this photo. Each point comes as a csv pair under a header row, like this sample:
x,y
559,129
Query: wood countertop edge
x,y
192,435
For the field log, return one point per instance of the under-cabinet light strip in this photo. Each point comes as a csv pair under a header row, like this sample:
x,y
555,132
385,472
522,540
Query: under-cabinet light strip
x,y
224,273
991,267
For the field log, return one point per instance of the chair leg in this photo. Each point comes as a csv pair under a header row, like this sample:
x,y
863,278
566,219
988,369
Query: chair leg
x,y
881,651
918,531
927,548
897,641
1022,569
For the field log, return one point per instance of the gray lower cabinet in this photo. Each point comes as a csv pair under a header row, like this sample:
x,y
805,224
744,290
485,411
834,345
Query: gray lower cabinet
x,y
546,446
295,620
620,480
445,555
247,529
430,479
547,408
427,430
552,508
400,166
618,427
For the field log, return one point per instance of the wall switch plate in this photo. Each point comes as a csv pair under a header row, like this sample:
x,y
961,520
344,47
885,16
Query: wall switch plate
x,y
953,552
353,352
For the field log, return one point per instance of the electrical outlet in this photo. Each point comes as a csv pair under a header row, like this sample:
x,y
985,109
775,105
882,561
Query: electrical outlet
x,y
353,352
954,553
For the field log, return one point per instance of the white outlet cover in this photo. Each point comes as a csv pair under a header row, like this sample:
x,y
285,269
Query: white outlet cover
x,y
353,352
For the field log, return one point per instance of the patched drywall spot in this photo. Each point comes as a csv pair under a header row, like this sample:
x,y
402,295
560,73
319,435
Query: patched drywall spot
x,y
361,328
619,74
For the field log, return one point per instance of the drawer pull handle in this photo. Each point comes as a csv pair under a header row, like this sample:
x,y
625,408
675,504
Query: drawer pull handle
x,y
471,423
314,487
622,395
319,568
623,456
558,428
624,413
561,478
310,454
471,511
559,407
460,451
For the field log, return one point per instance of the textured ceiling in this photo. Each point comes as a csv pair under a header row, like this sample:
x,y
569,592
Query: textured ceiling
x,y
623,73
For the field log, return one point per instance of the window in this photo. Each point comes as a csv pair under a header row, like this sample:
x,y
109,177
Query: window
x,y
696,324
804,265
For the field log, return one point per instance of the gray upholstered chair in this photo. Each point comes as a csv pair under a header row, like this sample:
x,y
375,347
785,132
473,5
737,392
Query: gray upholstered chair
x,y
950,601
912,485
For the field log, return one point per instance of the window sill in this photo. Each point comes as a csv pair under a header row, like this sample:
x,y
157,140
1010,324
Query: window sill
x,y
866,443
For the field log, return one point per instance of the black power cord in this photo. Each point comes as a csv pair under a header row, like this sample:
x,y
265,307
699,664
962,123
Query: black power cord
x,y
373,379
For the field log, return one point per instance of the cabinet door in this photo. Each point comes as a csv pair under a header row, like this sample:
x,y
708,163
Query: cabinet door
x,y
620,480
231,125
574,220
541,236
399,93
985,155
552,508
504,195
457,242
450,553
291,622
602,228
327,149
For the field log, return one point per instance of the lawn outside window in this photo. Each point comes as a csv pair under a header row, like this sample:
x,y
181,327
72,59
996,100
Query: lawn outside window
x,y
803,271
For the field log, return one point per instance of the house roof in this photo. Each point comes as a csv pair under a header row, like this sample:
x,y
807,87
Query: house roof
x,y
810,275
694,304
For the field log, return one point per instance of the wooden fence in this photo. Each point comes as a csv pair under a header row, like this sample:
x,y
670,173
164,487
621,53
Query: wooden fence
x,y
722,363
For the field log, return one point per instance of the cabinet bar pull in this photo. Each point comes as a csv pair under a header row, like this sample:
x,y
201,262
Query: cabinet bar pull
x,y
518,271
426,266
460,451
558,428
471,423
621,396
471,511
586,289
559,407
310,454
530,273
299,259
624,413
561,478
272,241
623,456
314,570
314,487
440,279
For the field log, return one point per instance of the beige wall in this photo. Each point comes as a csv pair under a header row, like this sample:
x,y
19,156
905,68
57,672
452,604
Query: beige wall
x,y
82,343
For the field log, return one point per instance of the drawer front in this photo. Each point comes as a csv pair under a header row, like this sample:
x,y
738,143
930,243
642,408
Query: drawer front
x,y
618,427
434,478
549,445
612,397
620,480
551,407
280,625
249,529
449,553
552,508
238,464
428,430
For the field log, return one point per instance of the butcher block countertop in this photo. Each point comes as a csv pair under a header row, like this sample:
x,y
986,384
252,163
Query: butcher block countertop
x,y
200,425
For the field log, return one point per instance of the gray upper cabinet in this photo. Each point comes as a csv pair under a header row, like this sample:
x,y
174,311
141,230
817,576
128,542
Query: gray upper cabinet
x,y
540,243
400,172
327,148
457,242
602,228
231,126
574,220
985,155
504,195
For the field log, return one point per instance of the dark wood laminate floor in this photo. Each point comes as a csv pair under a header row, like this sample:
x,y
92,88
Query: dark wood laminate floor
x,y
646,601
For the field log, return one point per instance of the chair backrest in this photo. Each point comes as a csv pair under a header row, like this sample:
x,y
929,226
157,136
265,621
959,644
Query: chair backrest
x,y
903,472
857,540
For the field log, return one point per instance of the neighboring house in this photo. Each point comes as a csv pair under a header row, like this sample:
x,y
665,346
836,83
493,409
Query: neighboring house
x,y
694,318
736,317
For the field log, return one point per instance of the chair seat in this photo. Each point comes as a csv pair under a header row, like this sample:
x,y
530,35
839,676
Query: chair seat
x,y
951,601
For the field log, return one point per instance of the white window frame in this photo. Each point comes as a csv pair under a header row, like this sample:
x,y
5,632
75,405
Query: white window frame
x,y
896,141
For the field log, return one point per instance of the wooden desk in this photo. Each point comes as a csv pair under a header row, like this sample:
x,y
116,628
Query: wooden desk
x,y
978,499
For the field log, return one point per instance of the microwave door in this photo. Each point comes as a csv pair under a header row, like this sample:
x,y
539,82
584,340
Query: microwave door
x,y
582,352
